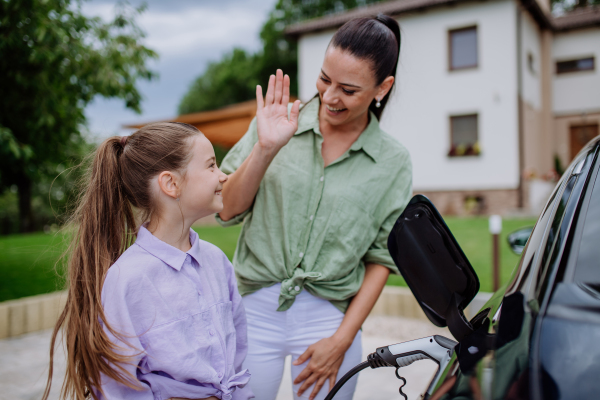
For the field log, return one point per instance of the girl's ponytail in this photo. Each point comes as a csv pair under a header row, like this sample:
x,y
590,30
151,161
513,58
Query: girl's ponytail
x,y
103,226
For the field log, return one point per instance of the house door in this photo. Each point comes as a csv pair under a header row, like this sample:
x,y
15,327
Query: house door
x,y
580,135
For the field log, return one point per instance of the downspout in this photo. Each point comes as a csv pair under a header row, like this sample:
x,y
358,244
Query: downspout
x,y
520,194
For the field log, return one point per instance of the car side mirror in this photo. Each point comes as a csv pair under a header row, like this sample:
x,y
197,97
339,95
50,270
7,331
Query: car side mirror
x,y
518,239
434,266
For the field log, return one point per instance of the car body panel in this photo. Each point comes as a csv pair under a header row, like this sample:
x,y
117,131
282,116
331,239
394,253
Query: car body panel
x,y
543,320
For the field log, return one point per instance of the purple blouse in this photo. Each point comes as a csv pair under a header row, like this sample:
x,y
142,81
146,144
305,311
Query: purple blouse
x,y
183,315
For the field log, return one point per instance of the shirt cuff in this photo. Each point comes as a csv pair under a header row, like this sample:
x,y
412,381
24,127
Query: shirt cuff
x,y
381,257
238,219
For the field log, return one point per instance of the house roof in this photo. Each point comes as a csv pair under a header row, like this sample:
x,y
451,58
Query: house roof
x,y
578,18
589,16
391,8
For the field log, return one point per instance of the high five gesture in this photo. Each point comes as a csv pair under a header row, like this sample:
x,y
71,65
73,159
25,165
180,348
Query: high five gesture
x,y
274,127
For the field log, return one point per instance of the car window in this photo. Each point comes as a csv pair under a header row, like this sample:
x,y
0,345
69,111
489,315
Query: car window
x,y
587,269
545,234
556,236
537,235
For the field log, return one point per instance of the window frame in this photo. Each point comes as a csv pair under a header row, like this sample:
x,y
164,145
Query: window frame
x,y
573,70
475,152
450,48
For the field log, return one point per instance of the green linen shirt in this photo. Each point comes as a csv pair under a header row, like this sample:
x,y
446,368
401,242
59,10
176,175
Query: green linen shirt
x,y
314,227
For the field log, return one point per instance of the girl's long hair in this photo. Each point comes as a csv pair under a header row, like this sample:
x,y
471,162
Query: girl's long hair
x,y
103,225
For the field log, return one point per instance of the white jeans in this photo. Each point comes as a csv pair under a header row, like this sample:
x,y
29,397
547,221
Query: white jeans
x,y
272,335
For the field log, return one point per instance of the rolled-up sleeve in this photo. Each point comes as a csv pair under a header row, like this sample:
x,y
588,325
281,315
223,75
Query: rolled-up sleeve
x,y
396,199
232,161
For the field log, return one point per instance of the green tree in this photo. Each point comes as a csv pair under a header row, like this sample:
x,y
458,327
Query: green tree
x,y
229,81
207,92
53,62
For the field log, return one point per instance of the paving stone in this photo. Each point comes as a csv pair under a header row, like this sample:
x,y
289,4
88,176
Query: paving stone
x,y
24,363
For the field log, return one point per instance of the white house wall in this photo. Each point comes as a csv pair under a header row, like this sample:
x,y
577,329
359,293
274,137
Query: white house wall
x,y
427,94
530,45
577,92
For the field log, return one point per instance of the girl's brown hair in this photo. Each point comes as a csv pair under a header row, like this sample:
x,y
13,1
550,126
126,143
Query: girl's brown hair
x,y
103,226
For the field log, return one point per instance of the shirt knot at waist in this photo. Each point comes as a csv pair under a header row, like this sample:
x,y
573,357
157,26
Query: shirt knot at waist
x,y
292,286
238,380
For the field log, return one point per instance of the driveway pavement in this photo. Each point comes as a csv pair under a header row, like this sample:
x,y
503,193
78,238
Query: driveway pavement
x,y
24,363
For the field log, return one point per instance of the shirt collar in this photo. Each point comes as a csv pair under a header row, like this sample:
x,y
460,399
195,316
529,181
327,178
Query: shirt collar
x,y
369,140
309,117
168,254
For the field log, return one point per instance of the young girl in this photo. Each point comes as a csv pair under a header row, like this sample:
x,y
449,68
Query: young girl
x,y
160,318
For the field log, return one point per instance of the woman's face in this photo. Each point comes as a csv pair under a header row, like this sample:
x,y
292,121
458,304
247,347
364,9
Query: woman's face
x,y
347,86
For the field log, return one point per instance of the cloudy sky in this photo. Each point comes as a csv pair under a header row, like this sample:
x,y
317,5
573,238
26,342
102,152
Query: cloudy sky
x,y
187,35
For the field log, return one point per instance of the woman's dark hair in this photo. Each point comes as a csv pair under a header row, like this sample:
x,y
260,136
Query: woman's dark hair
x,y
376,39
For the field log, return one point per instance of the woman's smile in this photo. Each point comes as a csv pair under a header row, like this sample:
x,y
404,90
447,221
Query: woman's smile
x,y
333,111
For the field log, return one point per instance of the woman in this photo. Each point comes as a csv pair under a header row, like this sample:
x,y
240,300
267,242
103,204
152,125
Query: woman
x,y
319,193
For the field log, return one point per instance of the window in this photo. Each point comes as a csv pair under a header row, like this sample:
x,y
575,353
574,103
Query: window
x,y
581,64
531,63
463,48
464,135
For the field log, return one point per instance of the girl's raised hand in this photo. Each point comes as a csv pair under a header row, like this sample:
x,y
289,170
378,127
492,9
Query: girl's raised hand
x,y
274,127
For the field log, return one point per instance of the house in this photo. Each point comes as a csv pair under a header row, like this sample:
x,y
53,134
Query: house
x,y
491,95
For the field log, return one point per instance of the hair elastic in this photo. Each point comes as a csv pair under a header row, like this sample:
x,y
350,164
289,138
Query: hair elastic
x,y
124,140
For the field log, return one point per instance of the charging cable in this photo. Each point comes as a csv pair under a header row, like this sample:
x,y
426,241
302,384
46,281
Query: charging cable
x,y
437,348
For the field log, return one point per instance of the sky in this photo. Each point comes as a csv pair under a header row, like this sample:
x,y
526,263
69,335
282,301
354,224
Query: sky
x,y
187,35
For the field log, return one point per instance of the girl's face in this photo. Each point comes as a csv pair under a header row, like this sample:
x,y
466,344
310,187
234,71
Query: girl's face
x,y
347,86
201,192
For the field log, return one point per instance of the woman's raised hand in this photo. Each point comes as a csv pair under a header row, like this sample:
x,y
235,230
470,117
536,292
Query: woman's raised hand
x,y
274,127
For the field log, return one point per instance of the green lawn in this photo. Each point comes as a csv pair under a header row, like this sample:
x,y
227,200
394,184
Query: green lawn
x,y
27,261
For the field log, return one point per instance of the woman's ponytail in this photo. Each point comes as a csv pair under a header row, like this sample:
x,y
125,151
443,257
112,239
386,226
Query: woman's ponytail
x,y
102,227
376,39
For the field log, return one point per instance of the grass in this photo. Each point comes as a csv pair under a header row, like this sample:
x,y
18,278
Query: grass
x,y
27,261
27,264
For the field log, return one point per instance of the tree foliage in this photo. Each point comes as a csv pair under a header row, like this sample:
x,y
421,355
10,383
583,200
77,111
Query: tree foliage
x,y
53,62
226,82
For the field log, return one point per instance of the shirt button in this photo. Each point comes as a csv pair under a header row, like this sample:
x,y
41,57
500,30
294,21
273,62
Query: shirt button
x,y
321,179
301,254
290,289
297,288
311,217
211,332
220,374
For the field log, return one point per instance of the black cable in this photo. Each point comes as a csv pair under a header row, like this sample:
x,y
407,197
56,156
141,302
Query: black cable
x,y
374,360
346,377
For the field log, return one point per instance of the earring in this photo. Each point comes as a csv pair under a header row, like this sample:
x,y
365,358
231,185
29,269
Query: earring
x,y
177,199
378,104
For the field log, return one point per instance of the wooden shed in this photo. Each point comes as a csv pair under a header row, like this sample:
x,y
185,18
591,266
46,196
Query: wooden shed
x,y
223,127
